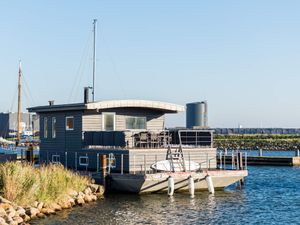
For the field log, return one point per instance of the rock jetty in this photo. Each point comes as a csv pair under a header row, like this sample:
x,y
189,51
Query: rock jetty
x,y
12,214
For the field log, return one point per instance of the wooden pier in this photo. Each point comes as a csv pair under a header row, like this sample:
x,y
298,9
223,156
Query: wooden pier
x,y
264,160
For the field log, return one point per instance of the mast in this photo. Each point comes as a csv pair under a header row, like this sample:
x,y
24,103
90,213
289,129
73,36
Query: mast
x,y
19,103
94,58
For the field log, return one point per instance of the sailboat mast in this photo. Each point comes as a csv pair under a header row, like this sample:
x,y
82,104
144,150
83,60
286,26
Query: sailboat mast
x,y
94,58
19,103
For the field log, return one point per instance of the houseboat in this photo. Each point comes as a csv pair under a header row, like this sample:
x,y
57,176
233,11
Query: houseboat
x,y
126,141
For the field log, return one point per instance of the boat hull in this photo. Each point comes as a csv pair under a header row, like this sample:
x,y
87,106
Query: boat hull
x,y
155,183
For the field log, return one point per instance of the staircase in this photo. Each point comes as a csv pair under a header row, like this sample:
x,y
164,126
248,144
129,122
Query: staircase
x,y
176,159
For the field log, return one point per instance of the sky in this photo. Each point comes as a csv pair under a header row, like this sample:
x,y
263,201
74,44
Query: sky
x,y
243,57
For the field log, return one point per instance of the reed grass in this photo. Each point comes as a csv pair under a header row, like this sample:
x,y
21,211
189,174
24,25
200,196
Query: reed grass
x,y
23,184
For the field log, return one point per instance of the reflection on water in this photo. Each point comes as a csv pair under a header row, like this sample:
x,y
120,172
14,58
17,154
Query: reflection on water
x,y
271,196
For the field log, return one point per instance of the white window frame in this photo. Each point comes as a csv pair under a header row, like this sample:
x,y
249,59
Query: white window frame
x,y
69,117
53,127
103,116
56,161
83,157
45,134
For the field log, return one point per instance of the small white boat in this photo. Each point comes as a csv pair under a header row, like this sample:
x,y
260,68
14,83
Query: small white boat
x,y
175,166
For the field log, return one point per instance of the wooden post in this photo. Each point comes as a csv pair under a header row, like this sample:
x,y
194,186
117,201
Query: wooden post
x,y
241,161
241,167
104,168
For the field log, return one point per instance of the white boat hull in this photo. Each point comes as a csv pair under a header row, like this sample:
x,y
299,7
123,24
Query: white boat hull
x,y
153,183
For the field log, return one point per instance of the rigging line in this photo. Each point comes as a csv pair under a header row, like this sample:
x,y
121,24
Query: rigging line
x,y
114,65
79,83
28,90
26,96
89,36
13,100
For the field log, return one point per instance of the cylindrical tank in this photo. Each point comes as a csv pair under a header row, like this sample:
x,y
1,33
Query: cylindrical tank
x,y
196,114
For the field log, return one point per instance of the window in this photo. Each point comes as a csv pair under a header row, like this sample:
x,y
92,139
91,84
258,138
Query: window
x,y
136,122
53,127
69,123
108,121
55,159
83,160
45,127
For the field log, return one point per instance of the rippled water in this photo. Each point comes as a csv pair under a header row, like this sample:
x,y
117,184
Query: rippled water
x,y
271,196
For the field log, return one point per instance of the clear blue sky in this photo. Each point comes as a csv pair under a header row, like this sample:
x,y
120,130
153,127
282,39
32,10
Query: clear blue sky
x,y
243,57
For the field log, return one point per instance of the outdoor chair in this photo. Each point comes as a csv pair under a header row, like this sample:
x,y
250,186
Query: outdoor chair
x,y
154,140
142,140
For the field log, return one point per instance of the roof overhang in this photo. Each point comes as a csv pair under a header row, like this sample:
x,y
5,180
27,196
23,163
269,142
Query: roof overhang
x,y
112,104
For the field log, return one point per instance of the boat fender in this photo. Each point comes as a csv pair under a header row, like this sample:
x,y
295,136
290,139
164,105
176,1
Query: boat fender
x,y
210,184
171,186
191,186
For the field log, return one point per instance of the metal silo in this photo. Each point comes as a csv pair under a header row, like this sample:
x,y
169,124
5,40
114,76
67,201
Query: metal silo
x,y
196,114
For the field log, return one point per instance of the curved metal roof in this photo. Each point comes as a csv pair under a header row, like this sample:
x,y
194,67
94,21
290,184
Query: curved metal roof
x,y
162,106
101,105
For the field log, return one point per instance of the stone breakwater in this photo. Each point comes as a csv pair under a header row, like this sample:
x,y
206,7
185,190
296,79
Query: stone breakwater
x,y
12,214
256,145
258,141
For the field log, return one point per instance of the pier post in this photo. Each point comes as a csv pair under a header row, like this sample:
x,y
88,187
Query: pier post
x,y
103,168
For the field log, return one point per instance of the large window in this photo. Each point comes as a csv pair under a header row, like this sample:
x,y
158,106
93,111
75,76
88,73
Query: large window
x,y
45,127
53,127
69,123
136,122
108,121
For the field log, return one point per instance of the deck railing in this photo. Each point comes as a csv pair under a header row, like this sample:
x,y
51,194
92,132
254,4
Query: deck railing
x,y
137,163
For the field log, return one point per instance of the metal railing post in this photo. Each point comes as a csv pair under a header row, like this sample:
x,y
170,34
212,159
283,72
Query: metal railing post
x,y
133,164
109,163
66,159
122,163
189,162
224,162
232,161
156,163
145,164
246,166
97,162
75,160
237,162
220,159
86,166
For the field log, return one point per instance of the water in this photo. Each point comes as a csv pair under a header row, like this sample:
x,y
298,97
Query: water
x,y
271,196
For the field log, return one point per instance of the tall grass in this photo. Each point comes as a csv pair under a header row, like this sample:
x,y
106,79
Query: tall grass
x,y
23,184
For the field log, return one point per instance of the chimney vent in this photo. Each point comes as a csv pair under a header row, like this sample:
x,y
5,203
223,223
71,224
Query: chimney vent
x,y
51,102
86,95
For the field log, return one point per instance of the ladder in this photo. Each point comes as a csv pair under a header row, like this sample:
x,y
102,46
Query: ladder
x,y
176,159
